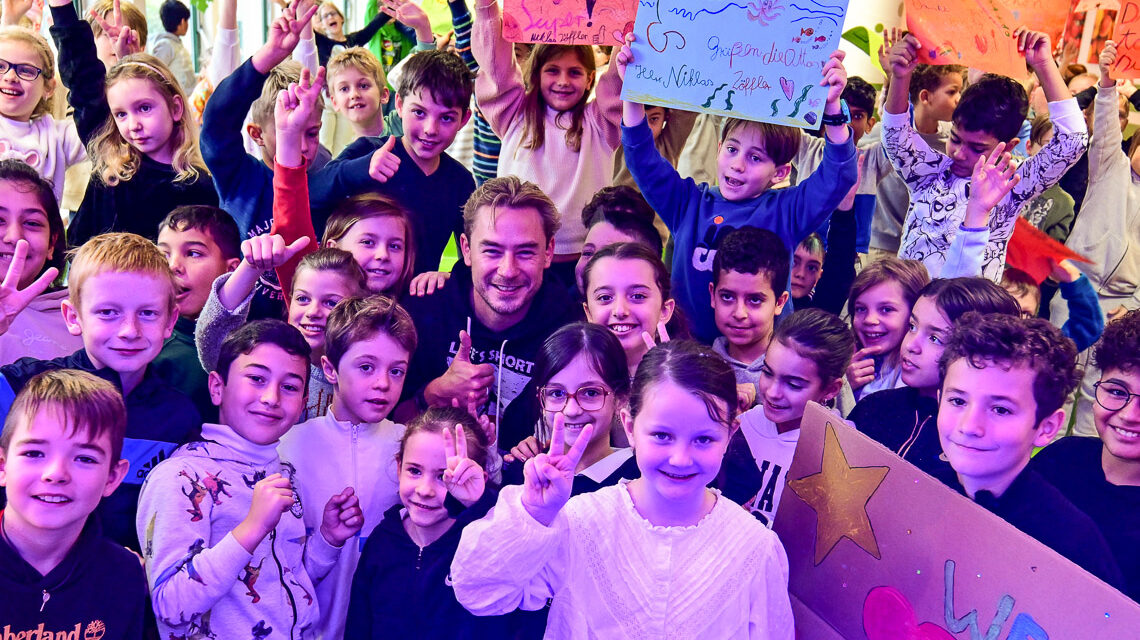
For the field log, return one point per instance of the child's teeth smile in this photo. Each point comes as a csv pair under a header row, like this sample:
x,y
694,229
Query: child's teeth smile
x,y
622,328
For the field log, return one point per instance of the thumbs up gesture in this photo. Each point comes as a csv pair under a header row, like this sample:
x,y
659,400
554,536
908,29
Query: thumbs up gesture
x,y
267,252
463,380
384,163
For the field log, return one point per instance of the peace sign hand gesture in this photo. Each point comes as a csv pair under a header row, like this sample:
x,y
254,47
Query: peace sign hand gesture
x,y
549,477
464,478
13,299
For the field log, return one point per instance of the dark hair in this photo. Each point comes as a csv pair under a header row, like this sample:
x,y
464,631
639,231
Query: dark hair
x,y
1041,125
598,343
781,142
753,250
1119,345
929,77
441,73
626,209
910,274
337,261
212,221
821,337
632,251
366,206
26,179
995,105
1004,340
437,419
258,332
172,13
1021,283
354,319
860,94
813,244
534,105
956,297
1072,70
692,366
87,405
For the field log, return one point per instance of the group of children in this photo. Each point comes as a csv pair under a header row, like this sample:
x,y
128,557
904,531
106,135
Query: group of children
x,y
243,362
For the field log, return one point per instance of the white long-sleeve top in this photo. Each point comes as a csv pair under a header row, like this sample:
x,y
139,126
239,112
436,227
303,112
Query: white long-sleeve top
x,y
50,146
329,455
612,574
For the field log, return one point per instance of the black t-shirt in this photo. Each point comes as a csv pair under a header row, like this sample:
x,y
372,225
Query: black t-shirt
x,y
905,422
1073,465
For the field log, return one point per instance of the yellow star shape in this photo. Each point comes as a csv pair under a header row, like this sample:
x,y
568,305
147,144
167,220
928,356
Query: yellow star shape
x,y
839,494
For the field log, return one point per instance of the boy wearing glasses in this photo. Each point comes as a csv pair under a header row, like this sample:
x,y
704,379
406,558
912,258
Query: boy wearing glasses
x,y
1102,477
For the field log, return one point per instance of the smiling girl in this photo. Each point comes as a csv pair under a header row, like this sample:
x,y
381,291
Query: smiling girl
x,y
143,143
553,134
540,543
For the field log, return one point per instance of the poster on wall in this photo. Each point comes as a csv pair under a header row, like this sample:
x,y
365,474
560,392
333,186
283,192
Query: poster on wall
x,y
589,22
878,550
761,60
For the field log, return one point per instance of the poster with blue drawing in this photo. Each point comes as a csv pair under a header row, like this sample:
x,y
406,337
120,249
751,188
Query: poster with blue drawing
x,y
753,59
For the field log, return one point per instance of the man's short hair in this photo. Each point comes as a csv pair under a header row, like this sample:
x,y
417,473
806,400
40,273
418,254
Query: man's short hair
x,y
355,319
781,143
172,13
753,250
443,74
512,193
1006,341
259,332
117,253
212,221
86,404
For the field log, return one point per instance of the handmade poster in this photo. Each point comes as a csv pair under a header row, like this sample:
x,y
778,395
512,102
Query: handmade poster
x,y
1040,15
974,33
1102,29
603,22
758,60
878,550
1127,39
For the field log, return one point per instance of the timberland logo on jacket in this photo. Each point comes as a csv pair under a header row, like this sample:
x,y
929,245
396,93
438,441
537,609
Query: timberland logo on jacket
x,y
94,631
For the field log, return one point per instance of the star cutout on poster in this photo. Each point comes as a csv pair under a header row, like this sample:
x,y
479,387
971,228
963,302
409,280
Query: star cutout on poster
x,y
839,494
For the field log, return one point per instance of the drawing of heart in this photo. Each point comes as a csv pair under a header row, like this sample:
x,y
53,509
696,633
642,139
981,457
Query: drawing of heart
x,y
619,36
888,615
788,86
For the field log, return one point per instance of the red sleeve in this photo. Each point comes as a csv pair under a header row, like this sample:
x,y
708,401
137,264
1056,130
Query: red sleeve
x,y
291,216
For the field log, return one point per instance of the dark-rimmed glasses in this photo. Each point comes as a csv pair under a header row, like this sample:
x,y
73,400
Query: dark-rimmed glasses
x,y
590,397
28,72
1113,396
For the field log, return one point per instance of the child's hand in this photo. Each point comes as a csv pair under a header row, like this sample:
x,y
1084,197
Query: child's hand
x,y
1035,45
13,299
834,77
1107,59
285,32
427,282
862,368
848,201
890,37
463,379
14,10
384,163
662,335
127,43
903,57
268,252
745,396
464,478
342,518
1065,271
485,425
296,104
624,56
549,477
525,450
410,14
272,496
993,178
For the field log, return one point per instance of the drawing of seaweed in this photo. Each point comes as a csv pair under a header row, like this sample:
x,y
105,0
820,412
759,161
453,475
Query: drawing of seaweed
x,y
776,106
799,101
728,100
708,103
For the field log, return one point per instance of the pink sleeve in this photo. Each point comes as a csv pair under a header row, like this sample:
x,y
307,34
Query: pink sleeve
x,y
291,216
499,86
605,111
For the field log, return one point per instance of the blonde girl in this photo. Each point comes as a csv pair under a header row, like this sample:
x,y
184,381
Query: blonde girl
x,y
142,141
552,133
28,132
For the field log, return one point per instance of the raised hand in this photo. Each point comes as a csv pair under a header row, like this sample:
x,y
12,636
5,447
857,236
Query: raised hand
x,y
13,10
13,299
484,421
890,37
525,450
342,517
427,282
1065,271
1035,45
834,76
548,478
384,163
297,102
127,43
903,57
272,496
113,27
994,176
462,378
464,478
1107,59
410,14
285,32
624,55
862,368
267,252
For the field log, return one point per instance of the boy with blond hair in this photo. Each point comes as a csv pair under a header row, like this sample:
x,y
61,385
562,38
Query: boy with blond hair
x,y
359,90
59,455
121,302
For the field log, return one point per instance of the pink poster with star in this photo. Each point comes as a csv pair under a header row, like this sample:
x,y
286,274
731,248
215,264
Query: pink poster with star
x,y
878,550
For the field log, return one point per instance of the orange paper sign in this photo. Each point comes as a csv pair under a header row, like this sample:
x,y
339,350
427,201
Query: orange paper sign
x,y
1040,15
1127,38
975,33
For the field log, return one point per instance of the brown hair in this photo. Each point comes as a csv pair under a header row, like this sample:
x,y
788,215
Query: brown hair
x,y
337,261
511,193
910,274
373,205
354,319
781,143
47,63
86,404
118,253
534,105
439,419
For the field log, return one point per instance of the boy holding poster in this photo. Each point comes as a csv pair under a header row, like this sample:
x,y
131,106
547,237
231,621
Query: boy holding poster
x,y
752,157
990,112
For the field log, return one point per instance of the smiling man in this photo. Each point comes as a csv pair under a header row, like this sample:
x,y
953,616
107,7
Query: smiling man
x,y
480,333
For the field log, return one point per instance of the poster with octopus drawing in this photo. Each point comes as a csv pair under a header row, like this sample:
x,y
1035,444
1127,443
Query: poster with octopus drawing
x,y
753,59
878,550
601,22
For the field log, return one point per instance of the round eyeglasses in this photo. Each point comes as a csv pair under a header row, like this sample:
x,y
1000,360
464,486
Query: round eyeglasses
x,y
1113,396
28,72
589,397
